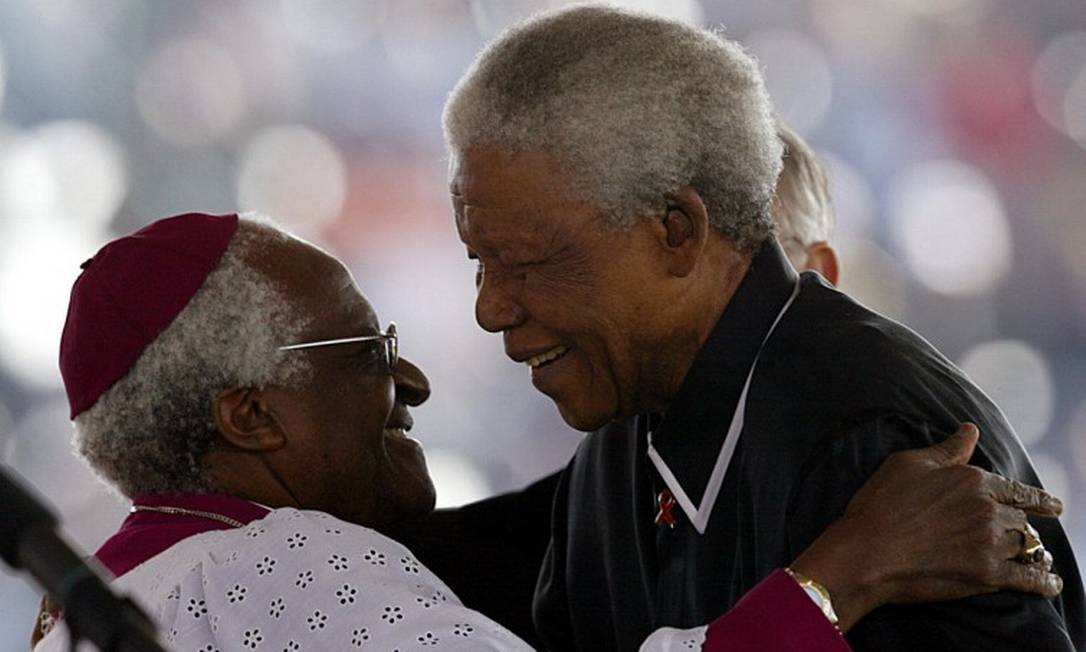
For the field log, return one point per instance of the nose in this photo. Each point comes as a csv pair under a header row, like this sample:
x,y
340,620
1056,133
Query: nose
x,y
495,308
412,386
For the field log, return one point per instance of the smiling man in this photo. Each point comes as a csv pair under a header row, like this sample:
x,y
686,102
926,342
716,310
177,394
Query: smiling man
x,y
233,383
612,173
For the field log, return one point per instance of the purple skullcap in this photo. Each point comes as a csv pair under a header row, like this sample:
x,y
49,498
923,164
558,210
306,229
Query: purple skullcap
x,y
130,292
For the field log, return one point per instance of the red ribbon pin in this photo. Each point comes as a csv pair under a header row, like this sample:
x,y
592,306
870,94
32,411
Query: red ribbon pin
x,y
666,502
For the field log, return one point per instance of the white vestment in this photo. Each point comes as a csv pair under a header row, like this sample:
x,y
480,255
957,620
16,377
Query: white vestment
x,y
300,580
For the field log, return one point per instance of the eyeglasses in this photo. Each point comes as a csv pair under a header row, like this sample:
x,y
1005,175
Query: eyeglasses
x,y
392,346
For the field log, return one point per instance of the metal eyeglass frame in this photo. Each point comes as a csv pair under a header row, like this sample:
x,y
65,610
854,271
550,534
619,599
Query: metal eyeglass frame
x,y
392,344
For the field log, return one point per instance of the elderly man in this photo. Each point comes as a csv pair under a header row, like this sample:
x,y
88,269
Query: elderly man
x,y
612,173
224,376
232,382
447,540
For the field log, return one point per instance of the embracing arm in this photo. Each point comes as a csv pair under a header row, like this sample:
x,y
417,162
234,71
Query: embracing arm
x,y
870,557
923,528
939,544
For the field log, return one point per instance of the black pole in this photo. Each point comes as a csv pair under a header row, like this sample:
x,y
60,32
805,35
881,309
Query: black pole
x,y
29,541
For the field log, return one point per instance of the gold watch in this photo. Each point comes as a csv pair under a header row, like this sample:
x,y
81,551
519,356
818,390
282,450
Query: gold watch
x,y
818,594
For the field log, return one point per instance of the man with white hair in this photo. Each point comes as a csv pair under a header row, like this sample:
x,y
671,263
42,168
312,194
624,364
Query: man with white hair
x,y
231,381
445,539
803,208
612,173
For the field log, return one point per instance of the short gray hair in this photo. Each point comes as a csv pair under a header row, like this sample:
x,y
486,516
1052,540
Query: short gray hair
x,y
637,104
149,432
803,207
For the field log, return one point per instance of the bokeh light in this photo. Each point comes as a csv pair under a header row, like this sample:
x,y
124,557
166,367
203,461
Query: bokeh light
x,y
1018,378
1076,428
1074,108
962,12
457,479
42,453
28,188
853,198
865,33
332,26
872,277
493,16
3,76
292,173
190,92
1071,236
951,229
37,269
688,11
1056,76
406,25
70,170
797,75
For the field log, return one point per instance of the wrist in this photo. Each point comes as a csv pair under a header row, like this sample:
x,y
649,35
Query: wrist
x,y
837,562
818,594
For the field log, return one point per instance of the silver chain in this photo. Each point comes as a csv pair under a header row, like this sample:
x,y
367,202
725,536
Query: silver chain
x,y
232,522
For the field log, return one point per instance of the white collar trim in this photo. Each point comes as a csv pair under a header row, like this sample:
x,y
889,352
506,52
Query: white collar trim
x,y
699,516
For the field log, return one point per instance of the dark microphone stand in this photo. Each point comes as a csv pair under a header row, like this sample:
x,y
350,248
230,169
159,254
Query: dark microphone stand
x,y
29,541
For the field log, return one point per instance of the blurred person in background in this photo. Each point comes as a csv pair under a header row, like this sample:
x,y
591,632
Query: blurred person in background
x,y
803,208
231,381
625,253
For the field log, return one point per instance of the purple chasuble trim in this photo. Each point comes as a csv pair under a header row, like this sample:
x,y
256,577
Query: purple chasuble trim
x,y
145,534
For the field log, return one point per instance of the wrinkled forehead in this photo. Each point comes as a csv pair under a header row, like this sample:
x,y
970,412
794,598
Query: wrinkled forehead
x,y
511,197
486,229
322,286
494,177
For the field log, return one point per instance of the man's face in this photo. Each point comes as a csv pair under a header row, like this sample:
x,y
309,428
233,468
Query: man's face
x,y
346,450
574,299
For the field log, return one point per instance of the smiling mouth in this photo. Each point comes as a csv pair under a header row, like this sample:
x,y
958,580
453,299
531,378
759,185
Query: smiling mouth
x,y
544,359
399,433
399,422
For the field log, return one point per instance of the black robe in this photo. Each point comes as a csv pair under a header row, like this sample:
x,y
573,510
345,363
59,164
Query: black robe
x,y
837,389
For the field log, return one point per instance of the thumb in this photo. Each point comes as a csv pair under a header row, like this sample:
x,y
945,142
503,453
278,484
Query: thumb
x,y
955,449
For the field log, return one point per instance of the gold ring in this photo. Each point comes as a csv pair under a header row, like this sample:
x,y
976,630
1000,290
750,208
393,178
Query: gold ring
x,y
1033,551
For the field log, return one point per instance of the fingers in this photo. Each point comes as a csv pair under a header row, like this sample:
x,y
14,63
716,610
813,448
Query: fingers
x,y
1023,496
1030,578
1046,562
1010,523
956,449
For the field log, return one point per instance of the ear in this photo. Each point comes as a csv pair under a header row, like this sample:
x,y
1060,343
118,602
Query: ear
x,y
244,419
822,258
683,231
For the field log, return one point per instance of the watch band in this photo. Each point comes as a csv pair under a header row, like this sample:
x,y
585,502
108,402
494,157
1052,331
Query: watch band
x,y
817,593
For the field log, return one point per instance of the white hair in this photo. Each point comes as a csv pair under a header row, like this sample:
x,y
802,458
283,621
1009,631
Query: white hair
x,y
149,432
803,207
636,105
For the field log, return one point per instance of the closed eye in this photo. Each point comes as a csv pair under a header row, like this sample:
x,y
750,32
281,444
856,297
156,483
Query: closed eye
x,y
367,355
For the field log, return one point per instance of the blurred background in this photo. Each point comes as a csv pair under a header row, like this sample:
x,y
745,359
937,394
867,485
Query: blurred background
x,y
954,131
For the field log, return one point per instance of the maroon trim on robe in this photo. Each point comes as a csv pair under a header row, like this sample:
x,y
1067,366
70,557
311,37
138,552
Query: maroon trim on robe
x,y
775,616
145,534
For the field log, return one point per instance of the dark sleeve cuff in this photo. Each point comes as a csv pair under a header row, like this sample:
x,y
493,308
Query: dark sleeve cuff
x,y
774,616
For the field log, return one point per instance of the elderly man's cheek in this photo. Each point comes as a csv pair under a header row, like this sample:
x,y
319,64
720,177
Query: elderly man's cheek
x,y
582,388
